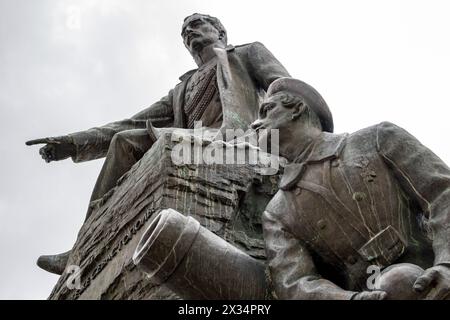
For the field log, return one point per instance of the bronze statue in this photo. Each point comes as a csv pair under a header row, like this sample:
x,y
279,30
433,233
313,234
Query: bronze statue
x,y
376,197
223,93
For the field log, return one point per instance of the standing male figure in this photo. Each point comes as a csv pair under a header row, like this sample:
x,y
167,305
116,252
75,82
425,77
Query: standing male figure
x,y
376,197
224,92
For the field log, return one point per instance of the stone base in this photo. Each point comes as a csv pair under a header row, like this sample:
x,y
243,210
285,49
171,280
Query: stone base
x,y
226,199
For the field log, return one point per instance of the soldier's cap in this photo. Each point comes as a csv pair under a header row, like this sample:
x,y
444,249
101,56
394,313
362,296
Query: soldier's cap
x,y
310,95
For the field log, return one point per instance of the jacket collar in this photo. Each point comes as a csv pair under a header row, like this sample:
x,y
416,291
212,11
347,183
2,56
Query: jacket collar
x,y
188,74
328,146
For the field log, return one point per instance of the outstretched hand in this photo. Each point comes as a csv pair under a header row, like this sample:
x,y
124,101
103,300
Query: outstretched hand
x,y
436,282
56,148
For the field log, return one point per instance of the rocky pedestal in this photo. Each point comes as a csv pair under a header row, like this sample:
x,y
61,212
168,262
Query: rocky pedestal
x,y
227,199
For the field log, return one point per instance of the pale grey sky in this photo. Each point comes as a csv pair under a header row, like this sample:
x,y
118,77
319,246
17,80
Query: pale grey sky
x,y
67,65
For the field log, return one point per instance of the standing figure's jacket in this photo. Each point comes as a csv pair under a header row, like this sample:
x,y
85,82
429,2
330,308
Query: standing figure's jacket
x,y
374,197
243,74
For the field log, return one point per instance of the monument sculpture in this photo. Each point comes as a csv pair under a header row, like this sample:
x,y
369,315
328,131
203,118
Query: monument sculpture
x,y
224,93
376,197
343,206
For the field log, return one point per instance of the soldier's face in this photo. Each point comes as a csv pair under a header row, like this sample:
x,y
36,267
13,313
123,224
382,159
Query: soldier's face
x,y
198,33
274,115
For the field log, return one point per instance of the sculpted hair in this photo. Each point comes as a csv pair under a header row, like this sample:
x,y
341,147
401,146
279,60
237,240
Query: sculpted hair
x,y
214,22
290,101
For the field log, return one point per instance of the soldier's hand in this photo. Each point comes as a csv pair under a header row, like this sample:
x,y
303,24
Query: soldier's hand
x,y
56,148
370,295
436,282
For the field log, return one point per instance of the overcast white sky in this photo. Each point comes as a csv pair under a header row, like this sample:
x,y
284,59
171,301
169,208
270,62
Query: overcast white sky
x,y
68,65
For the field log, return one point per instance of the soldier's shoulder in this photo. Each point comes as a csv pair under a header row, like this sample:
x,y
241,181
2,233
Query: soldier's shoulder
x,y
390,134
362,141
387,126
254,43
375,134
248,46
382,127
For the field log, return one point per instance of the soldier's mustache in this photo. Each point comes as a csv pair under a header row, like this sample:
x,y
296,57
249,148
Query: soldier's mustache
x,y
191,36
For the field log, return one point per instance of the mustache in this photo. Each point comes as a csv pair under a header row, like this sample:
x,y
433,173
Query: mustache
x,y
191,36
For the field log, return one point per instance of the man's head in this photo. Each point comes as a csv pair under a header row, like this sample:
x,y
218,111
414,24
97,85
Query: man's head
x,y
294,108
201,30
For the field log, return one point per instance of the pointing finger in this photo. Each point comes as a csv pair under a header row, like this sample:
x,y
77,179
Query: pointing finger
x,y
37,141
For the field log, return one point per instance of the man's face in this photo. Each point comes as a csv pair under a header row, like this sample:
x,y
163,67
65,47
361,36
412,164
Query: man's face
x,y
273,115
198,33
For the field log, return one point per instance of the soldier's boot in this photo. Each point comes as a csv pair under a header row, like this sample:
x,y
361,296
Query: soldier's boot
x,y
54,263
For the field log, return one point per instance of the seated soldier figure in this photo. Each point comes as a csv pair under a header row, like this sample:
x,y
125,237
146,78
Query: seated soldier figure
x,y
376,197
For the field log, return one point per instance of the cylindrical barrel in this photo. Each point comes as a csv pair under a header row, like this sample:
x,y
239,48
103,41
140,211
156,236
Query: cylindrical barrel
x,y
195,263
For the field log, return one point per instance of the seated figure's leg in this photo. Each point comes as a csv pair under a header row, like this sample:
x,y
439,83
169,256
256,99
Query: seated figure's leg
x,y
126,148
